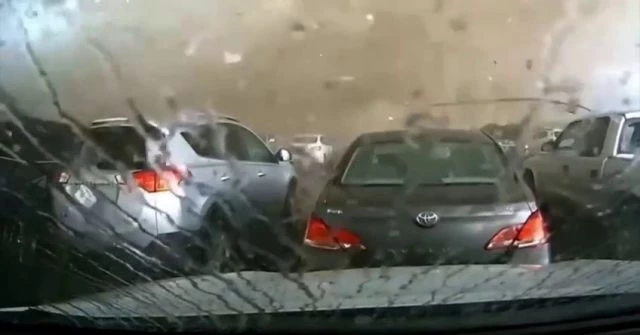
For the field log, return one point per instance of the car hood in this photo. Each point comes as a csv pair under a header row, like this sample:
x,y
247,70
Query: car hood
x,y
261,292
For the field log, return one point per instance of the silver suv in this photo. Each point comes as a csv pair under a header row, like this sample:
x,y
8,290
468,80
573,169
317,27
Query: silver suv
x,y
217,187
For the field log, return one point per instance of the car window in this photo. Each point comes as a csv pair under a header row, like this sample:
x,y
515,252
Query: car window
x,y
226,140
123,144
570,139
595,136
247,146
630,137
207,141
439,162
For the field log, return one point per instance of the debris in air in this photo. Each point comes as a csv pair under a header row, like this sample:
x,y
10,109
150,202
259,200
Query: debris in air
x,y
529,64
370,18
232,58
298,27
458,24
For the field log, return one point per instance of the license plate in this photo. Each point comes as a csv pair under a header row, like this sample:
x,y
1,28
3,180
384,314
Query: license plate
x,y
85,197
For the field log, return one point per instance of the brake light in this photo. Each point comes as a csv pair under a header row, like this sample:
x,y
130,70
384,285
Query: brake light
x,y
320,235
532,232
152,181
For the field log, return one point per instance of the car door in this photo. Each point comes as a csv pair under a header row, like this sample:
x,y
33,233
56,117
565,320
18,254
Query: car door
x,y
554,170
586,167
267,180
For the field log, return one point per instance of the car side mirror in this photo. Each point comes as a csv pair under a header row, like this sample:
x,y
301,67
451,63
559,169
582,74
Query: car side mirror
x,y
548,146
283,155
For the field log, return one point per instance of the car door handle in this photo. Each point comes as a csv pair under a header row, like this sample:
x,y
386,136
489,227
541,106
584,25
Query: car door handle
x,y
593,174
565,169
224,178
261,174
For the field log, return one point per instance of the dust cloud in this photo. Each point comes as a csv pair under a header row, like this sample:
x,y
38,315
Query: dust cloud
x,y
333,66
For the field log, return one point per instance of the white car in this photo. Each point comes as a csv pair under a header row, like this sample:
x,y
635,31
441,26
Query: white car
x,y
136,199
313,145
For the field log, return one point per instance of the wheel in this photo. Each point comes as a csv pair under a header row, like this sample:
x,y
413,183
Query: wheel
x,y
576,233
621,224
226,248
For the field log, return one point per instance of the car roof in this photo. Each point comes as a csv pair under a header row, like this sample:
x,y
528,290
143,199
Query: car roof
x,y
400,135
123,121
610,113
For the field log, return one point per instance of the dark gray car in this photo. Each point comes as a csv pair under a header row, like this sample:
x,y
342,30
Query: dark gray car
x,y
444,197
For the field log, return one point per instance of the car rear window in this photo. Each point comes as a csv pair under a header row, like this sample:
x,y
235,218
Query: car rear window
x,y
123,144
435,162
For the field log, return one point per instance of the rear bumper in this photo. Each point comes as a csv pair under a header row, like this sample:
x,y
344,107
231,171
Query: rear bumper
x,y
103,225
172,234
318,259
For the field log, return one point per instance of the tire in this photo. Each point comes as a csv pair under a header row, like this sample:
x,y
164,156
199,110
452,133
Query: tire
x,y
213,252
622,224
228,248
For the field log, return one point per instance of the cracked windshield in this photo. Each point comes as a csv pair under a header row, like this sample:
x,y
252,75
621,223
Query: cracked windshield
x,y
303,164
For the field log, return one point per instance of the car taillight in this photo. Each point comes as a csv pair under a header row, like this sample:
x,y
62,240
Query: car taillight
x,y
532,232
152,181
320,235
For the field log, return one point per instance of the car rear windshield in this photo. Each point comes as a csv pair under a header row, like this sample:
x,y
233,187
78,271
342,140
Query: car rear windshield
x,y
123,144
426,163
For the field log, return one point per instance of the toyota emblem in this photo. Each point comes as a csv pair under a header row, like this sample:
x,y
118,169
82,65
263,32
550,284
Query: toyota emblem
x,y
427,219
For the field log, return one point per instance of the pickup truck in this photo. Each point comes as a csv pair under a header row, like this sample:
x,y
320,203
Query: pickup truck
x,y
588,175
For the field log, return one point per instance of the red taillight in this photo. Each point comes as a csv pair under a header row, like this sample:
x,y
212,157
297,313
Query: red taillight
x,y
320,235
152,181
531,233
